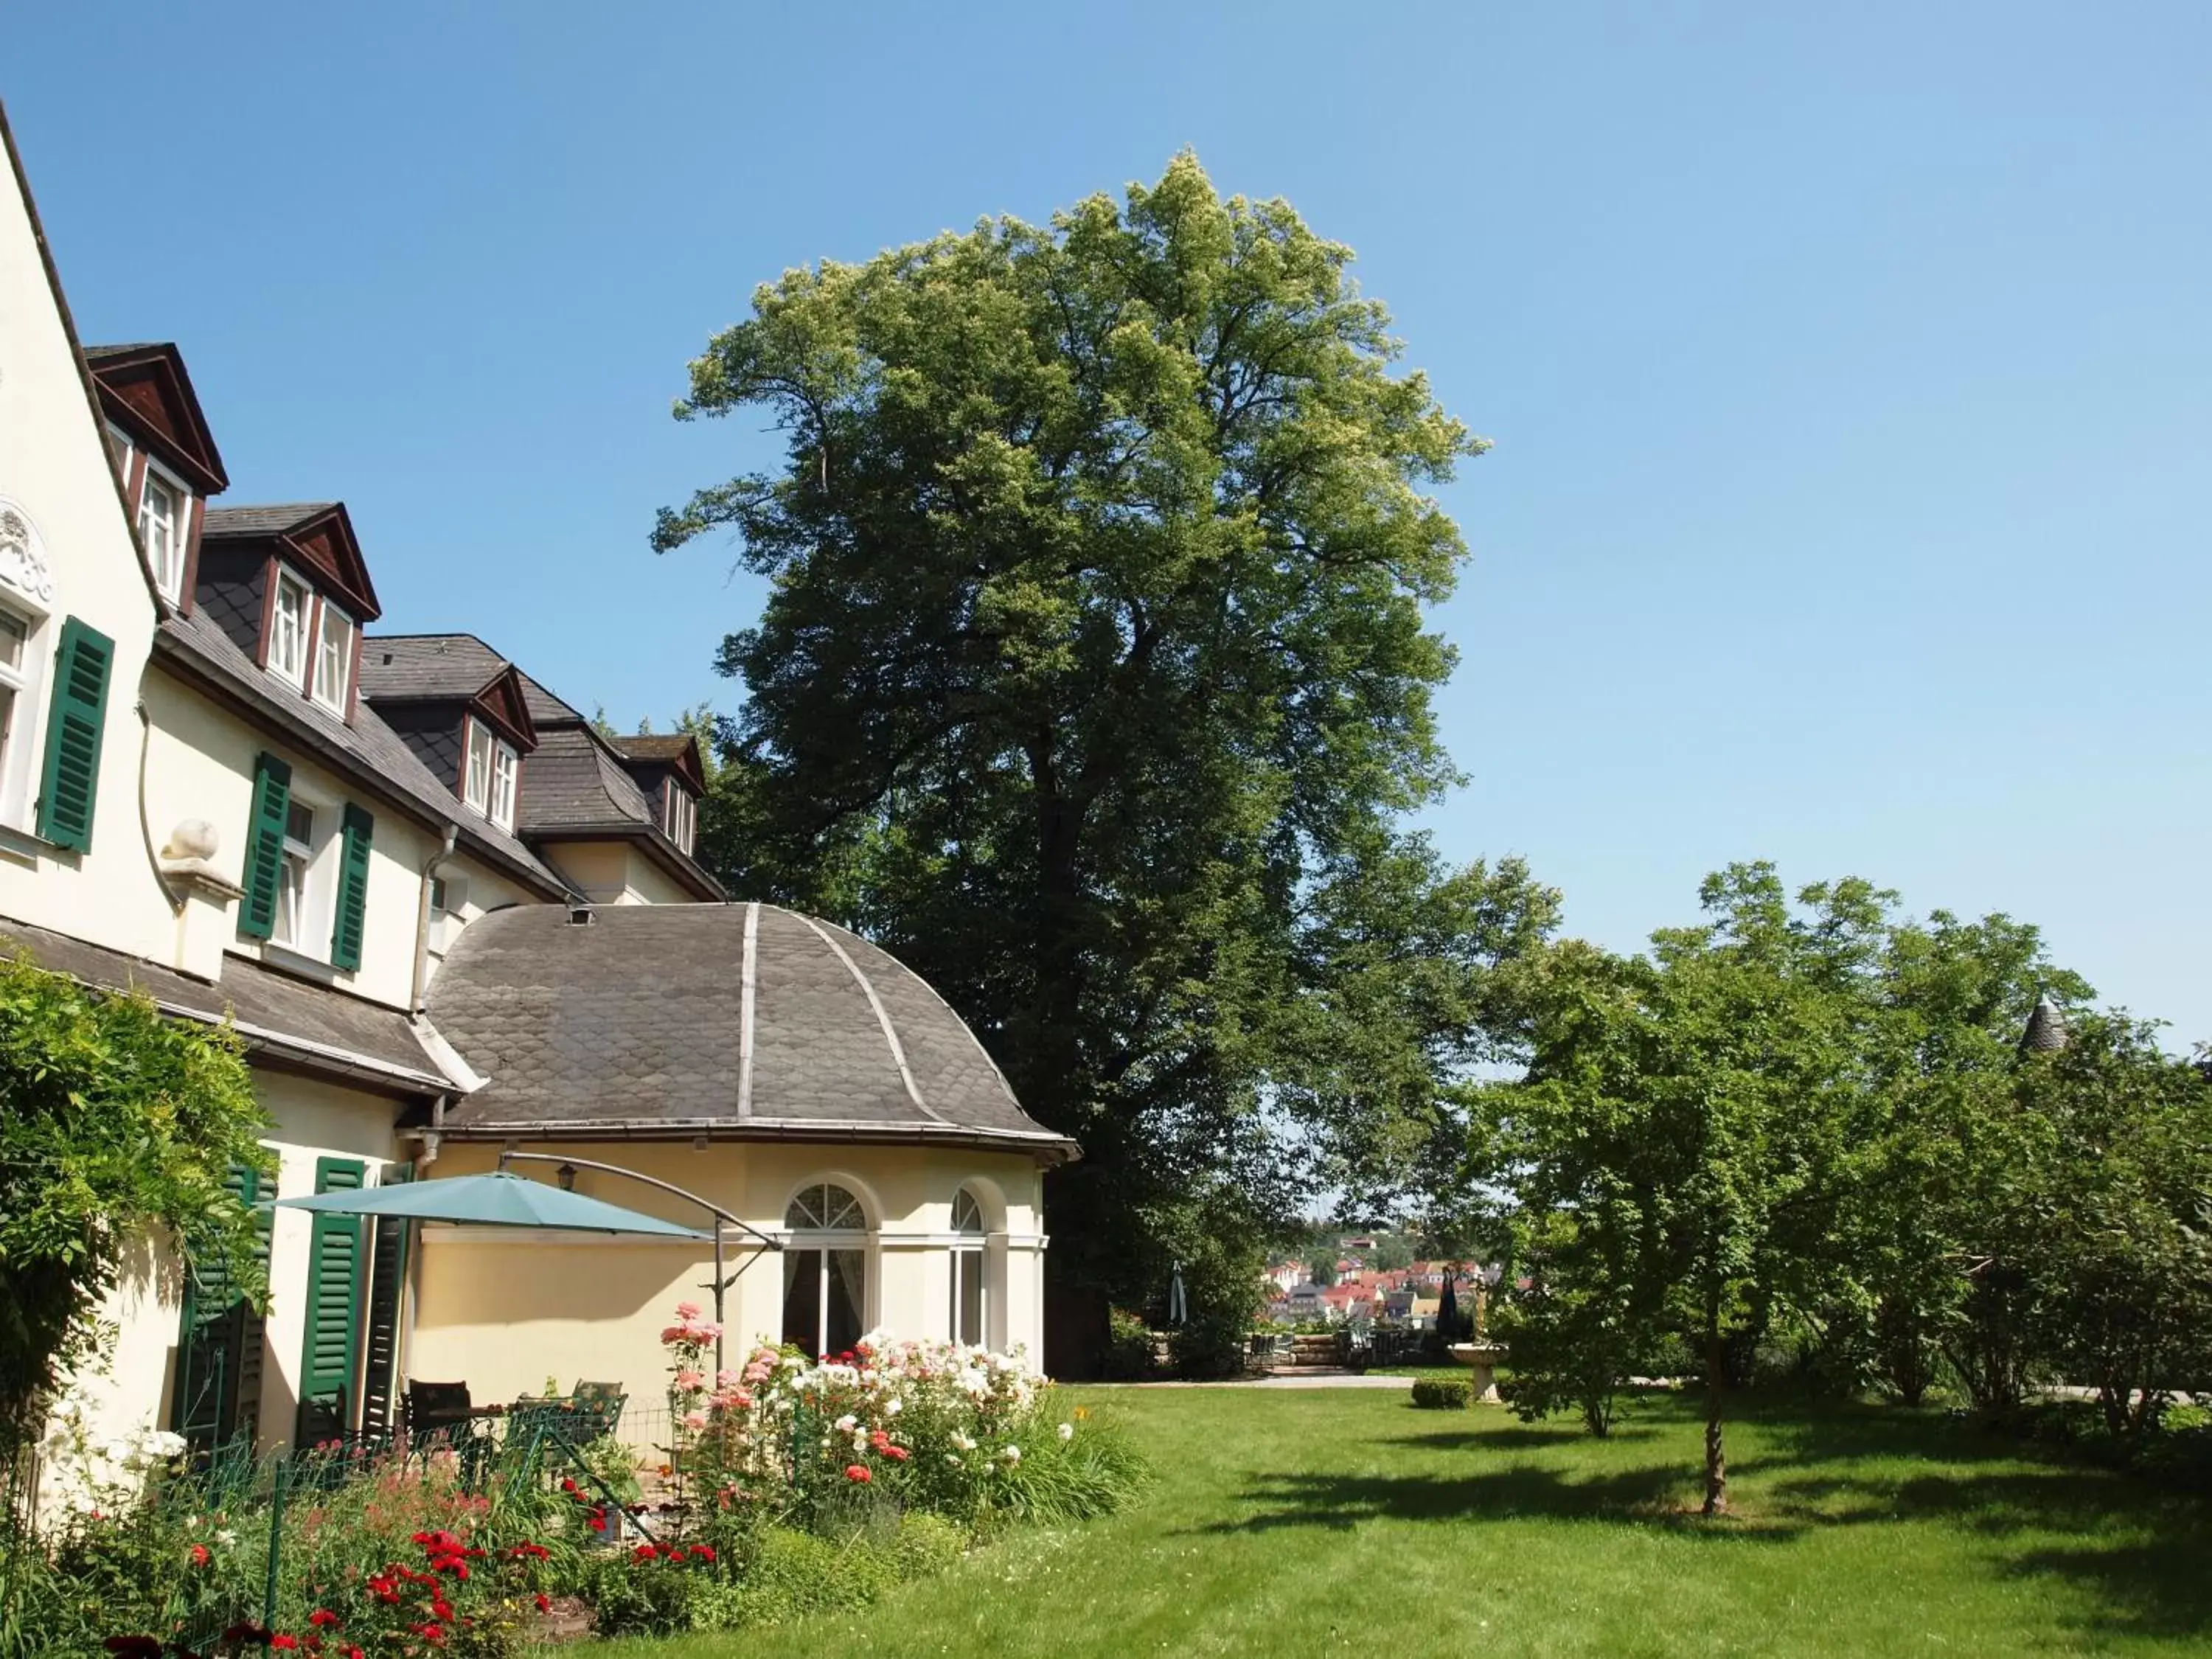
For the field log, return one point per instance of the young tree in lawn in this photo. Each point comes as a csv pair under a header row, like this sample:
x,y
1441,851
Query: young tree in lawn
x,y
1680,1150
1093,680
1939,1218
2121,1252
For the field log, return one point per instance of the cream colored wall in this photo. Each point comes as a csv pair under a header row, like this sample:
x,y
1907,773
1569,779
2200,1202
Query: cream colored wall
x,y
614,873
129,1389
54,467
314,1120
503,1312
202,766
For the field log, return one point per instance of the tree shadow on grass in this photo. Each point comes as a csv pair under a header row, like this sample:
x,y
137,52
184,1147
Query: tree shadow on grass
x,y
1521,1436
1650,1495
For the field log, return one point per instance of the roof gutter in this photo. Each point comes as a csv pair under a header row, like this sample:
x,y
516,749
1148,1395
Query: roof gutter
x,y
1040,1144
181,660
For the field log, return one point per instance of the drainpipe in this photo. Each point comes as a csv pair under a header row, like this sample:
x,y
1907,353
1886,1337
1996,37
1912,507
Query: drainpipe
x,y
145,828
422,918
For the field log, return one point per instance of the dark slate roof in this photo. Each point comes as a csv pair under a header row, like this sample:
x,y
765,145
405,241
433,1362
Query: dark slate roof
x,y
367,745
2047,1028
572,783
652,746
262,520
309,1025
739,1020
429,666
448,665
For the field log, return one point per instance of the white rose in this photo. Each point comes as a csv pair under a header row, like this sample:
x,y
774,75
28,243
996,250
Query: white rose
x,y
1068,1431
1013,1453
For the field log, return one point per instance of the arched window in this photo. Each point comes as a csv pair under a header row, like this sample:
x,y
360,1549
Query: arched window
x,y
968,1269
826,1270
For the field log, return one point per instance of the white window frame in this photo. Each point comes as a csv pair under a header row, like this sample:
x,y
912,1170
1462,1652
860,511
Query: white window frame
x,y
680,813
970,1260
505,783
22,758
295,673
21,721
336,702
296,908
169,567
492,789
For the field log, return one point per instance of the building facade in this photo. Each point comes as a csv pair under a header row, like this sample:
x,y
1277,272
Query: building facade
x,y
224,784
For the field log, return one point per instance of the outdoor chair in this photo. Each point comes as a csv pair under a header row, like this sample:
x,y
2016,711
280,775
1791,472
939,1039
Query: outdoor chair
x,y
598,1408
437,1408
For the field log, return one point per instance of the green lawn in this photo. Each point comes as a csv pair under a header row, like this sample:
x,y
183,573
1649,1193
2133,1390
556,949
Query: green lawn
x,y
1344,1520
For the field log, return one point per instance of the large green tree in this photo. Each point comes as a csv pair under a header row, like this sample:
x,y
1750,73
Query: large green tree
x,y
1094,679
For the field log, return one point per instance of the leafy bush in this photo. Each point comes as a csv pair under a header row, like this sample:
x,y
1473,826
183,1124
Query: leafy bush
x,y
649,1590
1443,1394
787,1574
1128,1356
930,1426
118,1121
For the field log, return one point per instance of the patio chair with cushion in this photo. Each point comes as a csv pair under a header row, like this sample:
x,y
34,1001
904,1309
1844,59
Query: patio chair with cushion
x,y
598,1408
436,1407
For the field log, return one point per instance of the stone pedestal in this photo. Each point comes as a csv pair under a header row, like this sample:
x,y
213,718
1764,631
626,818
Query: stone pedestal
x,y
1481,1358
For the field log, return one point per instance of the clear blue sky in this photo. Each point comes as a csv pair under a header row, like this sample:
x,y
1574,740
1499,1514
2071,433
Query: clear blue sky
x,y
1850,368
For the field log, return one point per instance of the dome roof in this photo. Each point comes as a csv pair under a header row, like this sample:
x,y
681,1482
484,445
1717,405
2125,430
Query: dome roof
x,y
740,1021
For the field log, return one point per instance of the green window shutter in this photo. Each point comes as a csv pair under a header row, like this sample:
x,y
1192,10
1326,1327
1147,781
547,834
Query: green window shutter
x,y
264,847
352,890
218,1373
333,1309
70,783
387,1281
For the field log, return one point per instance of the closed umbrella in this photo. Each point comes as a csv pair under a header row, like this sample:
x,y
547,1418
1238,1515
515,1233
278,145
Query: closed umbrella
x,y
1178,1303
1448,1311
495,1200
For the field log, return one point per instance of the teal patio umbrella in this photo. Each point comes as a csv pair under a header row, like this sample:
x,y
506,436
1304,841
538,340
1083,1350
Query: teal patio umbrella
x,y
495,1200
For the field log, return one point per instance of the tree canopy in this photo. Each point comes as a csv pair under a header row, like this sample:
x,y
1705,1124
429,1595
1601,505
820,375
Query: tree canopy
x,y
1094,680
1812,1120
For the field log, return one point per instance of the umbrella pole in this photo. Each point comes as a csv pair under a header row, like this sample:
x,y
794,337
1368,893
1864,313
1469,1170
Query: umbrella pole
x,y
719,1321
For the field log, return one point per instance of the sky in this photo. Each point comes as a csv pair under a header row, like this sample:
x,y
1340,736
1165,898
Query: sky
x,y
1849,368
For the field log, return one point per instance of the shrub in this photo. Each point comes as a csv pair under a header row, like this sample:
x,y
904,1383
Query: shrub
x,y
1443,1394
888,1428
1128,1356
785,1573
119,1122
649,1590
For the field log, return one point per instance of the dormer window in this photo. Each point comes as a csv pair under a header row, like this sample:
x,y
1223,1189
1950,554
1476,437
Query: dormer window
x,y
288,628
679,814
161,509
493,769
334,638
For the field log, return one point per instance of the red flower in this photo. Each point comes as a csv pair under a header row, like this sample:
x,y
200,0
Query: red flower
x,y
440,1608
567,1484
856,1474
545,1602
599,1520
644,1553
538,1552
200,1556
896,1454
283,1641
321,1617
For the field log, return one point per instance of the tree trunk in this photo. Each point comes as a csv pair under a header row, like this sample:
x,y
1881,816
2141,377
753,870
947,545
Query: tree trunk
x,y
1716,1453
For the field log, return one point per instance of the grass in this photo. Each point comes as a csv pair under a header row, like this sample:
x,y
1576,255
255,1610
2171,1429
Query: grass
x,y
1322,1521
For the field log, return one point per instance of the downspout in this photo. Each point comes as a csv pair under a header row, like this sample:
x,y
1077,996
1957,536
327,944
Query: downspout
x,y
422,919
145,827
